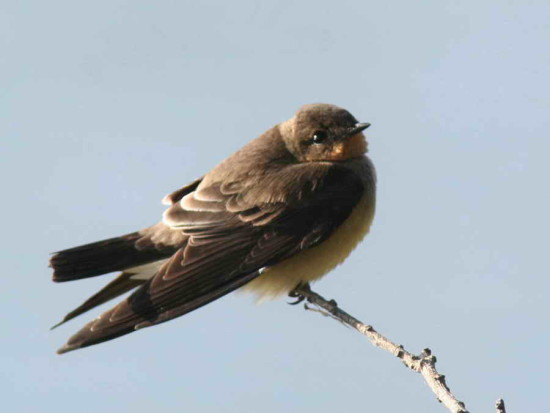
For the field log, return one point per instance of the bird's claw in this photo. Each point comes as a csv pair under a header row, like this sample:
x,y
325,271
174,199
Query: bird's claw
x,y
299,299
297,294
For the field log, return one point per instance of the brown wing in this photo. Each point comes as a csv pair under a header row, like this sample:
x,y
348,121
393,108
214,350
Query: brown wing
x,y
231,238
120,285
127,253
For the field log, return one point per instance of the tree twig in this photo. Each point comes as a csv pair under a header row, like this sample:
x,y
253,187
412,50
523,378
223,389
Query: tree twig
x,y
500,406
423,363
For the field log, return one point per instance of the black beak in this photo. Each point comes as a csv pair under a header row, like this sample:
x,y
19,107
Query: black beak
x,y
359,127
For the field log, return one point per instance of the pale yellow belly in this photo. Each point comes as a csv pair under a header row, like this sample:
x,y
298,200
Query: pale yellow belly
x,y
312,264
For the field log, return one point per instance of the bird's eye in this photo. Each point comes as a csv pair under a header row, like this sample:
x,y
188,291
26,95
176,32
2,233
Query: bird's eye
x,y
319,136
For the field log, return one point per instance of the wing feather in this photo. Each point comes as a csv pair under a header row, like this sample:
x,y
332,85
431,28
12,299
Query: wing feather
x,y
227,249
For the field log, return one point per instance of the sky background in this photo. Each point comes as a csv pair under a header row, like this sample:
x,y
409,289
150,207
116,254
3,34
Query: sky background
x,y
106,106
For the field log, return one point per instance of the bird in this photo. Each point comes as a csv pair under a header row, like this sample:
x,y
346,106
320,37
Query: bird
x,y
279,213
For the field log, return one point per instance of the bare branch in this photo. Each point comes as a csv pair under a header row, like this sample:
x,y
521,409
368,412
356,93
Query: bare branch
x,y
423,363
500,406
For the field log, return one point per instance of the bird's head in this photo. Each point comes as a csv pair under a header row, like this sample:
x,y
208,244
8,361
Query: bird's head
x,y
322,132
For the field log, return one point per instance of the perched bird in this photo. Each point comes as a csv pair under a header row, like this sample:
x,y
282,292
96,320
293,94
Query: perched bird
x,y
281,212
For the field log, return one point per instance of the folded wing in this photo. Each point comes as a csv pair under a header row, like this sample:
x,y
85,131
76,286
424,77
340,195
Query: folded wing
x,y
232,232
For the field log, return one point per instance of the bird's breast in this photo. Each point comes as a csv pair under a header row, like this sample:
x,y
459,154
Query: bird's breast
x,y
313,263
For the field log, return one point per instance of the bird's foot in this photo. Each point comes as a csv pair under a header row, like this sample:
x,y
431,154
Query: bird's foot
x,y
298,293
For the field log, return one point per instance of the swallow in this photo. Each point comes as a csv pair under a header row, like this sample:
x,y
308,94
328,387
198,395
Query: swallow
x,y
281,212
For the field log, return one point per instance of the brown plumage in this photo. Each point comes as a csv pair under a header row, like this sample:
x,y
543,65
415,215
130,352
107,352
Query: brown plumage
x,y
285,209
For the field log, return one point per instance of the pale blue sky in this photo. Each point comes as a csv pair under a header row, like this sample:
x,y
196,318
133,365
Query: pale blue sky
x,y
106,106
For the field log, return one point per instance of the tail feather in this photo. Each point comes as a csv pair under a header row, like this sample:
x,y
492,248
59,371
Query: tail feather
x,y
120,285
102,257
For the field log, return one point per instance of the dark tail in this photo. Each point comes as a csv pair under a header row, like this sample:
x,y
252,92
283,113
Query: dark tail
x,y
120,285
102,257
